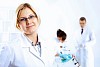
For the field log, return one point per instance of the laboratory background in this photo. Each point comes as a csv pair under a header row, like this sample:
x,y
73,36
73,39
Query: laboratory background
x,y
55,14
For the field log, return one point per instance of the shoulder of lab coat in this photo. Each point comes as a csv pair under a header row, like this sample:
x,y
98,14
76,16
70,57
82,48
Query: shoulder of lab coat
x,y
5,54
10,50
54,45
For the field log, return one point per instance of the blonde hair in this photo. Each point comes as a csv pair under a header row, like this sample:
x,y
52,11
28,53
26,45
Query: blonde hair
x,y
20,8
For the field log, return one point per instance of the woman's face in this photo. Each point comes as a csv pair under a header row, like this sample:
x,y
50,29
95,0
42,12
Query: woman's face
x,y
28,21
60,39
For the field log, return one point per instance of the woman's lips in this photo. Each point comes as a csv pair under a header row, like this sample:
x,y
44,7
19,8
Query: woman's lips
x,y
29,26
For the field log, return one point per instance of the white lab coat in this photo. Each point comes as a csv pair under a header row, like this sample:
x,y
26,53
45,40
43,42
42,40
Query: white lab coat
x,y
67,48
20,53
84,45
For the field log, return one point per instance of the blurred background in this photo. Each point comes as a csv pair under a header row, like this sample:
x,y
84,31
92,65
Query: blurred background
x,y
55,14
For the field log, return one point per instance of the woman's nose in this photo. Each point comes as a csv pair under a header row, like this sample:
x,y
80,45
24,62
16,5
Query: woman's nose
x,y
28,21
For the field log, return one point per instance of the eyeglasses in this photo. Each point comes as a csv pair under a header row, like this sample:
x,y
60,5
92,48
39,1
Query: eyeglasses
x,y
24,19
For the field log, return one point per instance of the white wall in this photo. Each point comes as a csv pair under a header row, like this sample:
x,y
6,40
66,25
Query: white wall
x,y
56,14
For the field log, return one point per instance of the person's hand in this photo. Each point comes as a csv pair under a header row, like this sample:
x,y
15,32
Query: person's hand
x,y
82,45
57,54
73,56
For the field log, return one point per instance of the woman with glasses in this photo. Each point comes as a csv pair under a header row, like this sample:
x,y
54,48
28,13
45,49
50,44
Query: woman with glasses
x,y
28,50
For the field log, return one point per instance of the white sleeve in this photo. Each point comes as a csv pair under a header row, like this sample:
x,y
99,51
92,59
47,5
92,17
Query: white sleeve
x,y
92,40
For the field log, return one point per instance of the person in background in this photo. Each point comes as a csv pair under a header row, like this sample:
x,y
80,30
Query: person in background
x,y
85,39
28,50
61,36
64,54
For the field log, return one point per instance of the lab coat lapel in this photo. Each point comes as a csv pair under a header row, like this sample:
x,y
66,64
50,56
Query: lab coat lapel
x,y
84,35
32,51
26,45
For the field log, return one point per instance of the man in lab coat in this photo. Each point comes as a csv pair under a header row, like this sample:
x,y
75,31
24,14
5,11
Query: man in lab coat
x,y
85,39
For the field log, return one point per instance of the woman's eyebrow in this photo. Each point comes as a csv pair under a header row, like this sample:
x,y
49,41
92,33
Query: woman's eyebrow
x,y
32,15
22,17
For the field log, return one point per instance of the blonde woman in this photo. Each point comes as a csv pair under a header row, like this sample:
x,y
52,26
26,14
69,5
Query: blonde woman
x,y
28,50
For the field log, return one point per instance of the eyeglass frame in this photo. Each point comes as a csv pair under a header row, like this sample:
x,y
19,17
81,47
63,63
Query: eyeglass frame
x,y
25,19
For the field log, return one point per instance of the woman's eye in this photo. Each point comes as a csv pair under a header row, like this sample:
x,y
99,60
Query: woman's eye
x,y
23,19
30,17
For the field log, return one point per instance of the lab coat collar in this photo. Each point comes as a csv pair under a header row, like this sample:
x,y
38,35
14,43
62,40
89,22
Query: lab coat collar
x,y
27,40
84,28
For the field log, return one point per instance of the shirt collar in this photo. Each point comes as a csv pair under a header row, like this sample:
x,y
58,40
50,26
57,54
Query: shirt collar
x,y
38,41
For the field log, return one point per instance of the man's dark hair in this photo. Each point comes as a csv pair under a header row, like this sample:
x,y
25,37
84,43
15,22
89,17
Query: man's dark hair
x,y
83,18
62,34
